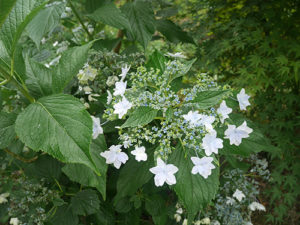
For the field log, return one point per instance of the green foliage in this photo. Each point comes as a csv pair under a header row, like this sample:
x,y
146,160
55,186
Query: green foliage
x,y
7,128
140,117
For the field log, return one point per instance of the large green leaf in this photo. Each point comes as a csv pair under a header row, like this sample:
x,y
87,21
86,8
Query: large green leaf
x,y
64,216
59,125
85,203
109,14
140,117
84,175
193,190
141,19
7,128
157,60
45,21
5,8
19,17
156,206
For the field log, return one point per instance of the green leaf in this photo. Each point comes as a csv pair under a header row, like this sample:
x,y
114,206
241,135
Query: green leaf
x,y
84,175
60,126
156,206
140,117
194,191
45,21
85,203
7,128
186,69
5,8
141,19
109,14
173,32
19,17
64,216
157,61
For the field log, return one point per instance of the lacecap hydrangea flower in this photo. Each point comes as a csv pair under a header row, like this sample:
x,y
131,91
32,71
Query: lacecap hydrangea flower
x,y
115,156
164,173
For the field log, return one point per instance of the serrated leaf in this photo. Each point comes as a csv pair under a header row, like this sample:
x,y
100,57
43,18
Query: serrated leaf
x,y
45,21
157,61
7,128
60,126
141,19
5,8
193,190
85,203
64,216
140,117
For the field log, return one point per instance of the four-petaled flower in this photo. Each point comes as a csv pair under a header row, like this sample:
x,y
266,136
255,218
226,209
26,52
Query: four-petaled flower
x,y
202,166
124,72
97,129
223,110
139,153
164,173
235,135
120,88
211,143
193,118
122,107
243,99
239,195
115,156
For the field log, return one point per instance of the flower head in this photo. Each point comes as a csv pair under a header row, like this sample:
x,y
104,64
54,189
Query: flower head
x,y
139,153
202,166
230,201
120,88
243,99
14,221
239,195
223,110
115,156
164,173
235,135
124,72
122,107
97,129
211,143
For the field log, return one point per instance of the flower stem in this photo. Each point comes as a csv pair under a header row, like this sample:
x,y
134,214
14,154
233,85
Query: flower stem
x,y
16,156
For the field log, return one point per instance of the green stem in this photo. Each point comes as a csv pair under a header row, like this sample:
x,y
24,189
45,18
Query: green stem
x,y
80,20
4,82
159,118
20,157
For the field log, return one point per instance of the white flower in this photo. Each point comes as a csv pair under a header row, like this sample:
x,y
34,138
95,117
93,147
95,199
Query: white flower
x,y
205,220
211,143
14,221
177,217
164,173
120,88
256,206
215,222
115,156
124,72
243,99
202,166
3,198
139,153
223,110
235,135
206,121
248,223
127,143
239,195
185,222
87,73
198,222
91,97
122,107
230,201
87,90
111,80
192,117
176,55
97,129
179,211
109,97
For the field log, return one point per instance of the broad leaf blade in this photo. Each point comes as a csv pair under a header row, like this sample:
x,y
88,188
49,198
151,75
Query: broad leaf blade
x,y
85,203
140,117
60,126
7,128
157,60
5,8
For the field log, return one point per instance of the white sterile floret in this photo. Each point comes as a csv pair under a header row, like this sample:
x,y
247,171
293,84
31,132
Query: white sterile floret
x,y
239,195
176,55
211,143
177,217
3,198
97,129
256,206
230,201
139,153
164,173
235,135
193,118
205,220
185,222
87,73
111,80
224,111
206,121
202,166
124,72
109,97
122,107
179,211
14,221
242,97
115,156
120,88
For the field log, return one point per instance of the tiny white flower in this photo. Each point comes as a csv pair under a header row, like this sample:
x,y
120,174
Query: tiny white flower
x,y
179,211
206,121
202,166
115,156
224,111
122,107
87,90
257,206
3,198
87,73
127,143
198,222
177,217
185,222
97,129
235,135
192,117
120,88
91,97
14,221
239,195
211,143
124,72
230,201
164,173
215,222
139,153
111,80
243,99
205,220
176,55
109,97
